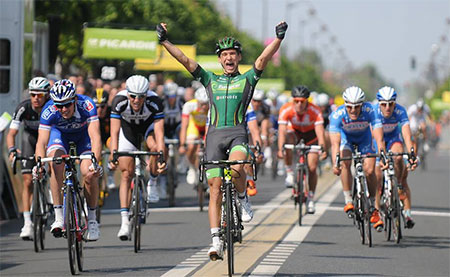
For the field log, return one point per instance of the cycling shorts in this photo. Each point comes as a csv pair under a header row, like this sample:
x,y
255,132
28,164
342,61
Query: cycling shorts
x,y
60,141
28,149
133,144
194,131
219,141
364,142
389,141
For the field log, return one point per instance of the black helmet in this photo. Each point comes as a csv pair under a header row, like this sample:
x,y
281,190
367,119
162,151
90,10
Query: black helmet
x,y
100,97
300,91
228,43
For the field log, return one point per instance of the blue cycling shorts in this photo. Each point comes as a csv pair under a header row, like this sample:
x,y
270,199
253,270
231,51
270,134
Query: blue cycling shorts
x,y
364,143
61,141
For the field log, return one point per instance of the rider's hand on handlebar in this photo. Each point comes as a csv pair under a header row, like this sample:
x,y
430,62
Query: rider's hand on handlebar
x,y
12,152
161,167
112,165
182,149
38,173
324,154
98,171
336,171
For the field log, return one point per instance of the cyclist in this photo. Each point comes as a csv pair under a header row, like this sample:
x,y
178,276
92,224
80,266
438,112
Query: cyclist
x,y
136,113
395,126
351,124
27,112
418,114
301,120
193,124
262,111
71,117
229,95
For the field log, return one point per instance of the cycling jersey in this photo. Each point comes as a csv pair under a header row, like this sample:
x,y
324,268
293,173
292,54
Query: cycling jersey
x,y
416,118
229,95
197,119
304,124
392,126
262,113
136,124
172,117
73,129
355,131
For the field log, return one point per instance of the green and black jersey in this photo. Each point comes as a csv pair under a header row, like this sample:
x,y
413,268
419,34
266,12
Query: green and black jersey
x,y
229,95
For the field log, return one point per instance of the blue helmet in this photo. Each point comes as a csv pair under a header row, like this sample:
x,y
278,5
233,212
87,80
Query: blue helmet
x,y
386,94
62,90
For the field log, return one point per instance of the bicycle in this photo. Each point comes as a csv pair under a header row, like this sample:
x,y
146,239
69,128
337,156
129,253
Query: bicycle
x,y
75,214
172,174
302,187
201,186
392,206
230,222
103,191
138,204
40,207
360,195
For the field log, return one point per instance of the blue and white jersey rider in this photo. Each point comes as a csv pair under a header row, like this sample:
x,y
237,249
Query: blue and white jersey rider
x,y
73,129
355,131
392,126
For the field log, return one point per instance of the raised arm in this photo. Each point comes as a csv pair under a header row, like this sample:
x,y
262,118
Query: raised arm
x,y
188,63
273,47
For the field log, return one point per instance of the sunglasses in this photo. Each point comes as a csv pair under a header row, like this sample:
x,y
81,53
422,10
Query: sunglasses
x,y
353,106
64,105
138,96
100,105
38,95
301,100
387,104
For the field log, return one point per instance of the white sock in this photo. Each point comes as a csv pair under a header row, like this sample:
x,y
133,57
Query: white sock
x,y
310,195
347,196
152,181
59,213
92,214
242,194
215,239
27,218
124,216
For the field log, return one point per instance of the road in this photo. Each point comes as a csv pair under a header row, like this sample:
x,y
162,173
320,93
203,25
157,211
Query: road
x,y
175,240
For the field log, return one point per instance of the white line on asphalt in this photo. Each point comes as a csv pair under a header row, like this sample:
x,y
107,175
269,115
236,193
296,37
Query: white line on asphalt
x,y
298,234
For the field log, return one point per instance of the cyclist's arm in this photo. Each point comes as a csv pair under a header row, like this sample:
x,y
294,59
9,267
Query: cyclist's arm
x,y
11,137
96,139
282,129
183,130
406,133
267,54
335,139
115,129
43,137
159,134
320,133
187,62
378,135
254,131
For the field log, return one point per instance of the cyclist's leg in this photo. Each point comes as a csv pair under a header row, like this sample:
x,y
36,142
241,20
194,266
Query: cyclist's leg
x,y
152,185
291,138
91,188
346,173
405,195
28,149
313,161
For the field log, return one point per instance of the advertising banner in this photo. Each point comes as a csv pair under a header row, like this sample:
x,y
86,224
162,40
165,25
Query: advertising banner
x,y
164,61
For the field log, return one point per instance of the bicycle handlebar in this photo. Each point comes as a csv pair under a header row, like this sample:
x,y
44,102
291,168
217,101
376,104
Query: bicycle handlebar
x,y
20,158
302,147
117,154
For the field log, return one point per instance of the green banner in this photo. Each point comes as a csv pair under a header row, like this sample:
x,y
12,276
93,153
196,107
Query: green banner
x,y
119,43
268,84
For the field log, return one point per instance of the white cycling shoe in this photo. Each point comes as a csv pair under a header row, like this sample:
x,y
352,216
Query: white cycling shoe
x,y
27,232
310,206
246,209
191,176
216,251
124,232
93,233
289,181
153,194
57,228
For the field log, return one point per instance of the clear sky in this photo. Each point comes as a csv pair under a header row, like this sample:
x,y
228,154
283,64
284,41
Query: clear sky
x,y
383,32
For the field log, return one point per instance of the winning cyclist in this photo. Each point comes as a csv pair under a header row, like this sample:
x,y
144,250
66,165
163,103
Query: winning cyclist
x,y
71,117
27,112
351,124
229,95
305,122
136,113
193,123
395,126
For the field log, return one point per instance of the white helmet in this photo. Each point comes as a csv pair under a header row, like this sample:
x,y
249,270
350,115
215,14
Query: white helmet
x,y
170,89
200,95
272,94
322,100
354,95
386,94
258,95
39,84
137,84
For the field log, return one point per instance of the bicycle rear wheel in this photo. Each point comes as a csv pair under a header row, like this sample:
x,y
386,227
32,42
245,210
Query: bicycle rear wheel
x,y
137,215
70,232
229,232
300,193
37,218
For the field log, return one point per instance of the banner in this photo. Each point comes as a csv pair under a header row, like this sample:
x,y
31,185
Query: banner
x,y
164,61
119,43
267,84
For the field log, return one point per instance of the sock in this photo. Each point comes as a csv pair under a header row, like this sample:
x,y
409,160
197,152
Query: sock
x,y
58,213
215,239
124,215
310,195
241,195
153,180
372,202
27,218
347,196
407,213
92,214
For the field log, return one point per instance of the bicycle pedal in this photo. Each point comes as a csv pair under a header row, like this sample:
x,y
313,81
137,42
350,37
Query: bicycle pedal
x,y
215,257
350,214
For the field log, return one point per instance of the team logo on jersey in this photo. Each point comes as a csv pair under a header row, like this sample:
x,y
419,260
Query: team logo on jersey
x,y
47,113
154,105
88,106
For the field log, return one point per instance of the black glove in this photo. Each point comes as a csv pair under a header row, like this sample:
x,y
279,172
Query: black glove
x,y
162,33
280,30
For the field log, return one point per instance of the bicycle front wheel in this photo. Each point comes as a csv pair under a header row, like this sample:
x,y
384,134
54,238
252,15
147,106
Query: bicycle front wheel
x,y
80,229
37,218
137,215
396,216
367,224
200,195
301,177
70,231
229,228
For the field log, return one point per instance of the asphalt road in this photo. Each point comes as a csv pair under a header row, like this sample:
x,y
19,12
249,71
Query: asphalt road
x,y
175,240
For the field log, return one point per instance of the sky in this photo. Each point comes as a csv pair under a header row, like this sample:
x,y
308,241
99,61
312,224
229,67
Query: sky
x,y
386,33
